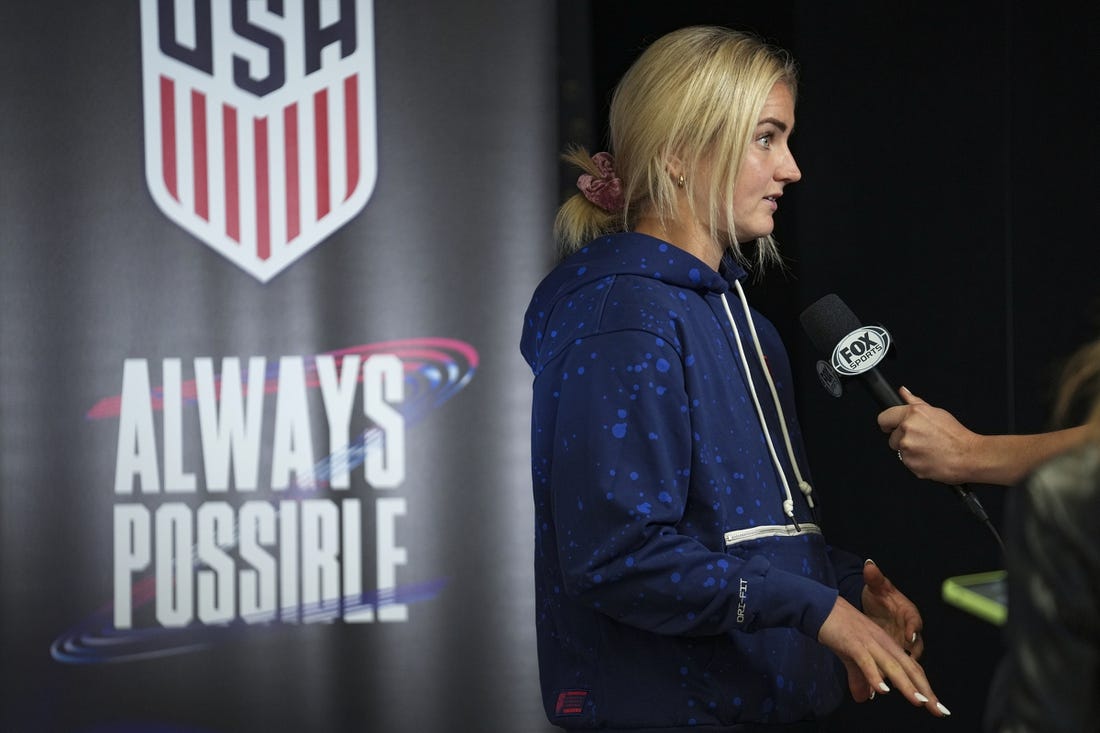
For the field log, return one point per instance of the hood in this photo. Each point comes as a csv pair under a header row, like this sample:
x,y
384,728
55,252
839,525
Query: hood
x,y
626,253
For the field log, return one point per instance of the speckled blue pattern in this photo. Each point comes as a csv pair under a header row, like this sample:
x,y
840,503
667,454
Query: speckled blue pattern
x,y
646,450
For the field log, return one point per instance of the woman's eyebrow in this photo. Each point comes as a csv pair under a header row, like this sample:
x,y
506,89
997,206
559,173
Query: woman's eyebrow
x,y
777,122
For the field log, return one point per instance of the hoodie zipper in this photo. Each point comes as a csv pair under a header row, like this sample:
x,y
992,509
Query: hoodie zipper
x,y
738,536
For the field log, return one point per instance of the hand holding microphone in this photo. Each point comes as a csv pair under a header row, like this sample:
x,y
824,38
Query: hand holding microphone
x,y
937,446
855,350
929,440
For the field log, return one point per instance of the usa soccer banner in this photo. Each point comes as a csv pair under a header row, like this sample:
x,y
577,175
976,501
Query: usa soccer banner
x,y
263,419
260,165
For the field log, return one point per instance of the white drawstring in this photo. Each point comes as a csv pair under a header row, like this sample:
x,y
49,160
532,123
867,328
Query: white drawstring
x,y
803,485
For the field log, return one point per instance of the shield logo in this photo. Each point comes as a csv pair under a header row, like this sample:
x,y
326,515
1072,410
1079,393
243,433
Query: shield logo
x,y
260,125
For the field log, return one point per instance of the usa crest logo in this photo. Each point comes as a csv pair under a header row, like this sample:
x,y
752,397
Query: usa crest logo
x,y
260,124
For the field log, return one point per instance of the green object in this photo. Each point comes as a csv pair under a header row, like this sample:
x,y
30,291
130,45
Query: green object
x,y
983,594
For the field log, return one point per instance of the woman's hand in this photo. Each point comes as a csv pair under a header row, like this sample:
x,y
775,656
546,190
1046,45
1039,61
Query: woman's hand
x,y
888,607
929,440
872,658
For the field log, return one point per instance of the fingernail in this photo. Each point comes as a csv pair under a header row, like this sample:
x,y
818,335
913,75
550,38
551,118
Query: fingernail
x,y
868,561
872,695
943,709
914,639
920,697
883,686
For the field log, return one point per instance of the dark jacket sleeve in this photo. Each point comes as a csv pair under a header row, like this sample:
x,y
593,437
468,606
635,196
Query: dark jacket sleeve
x,y
849,575
620,490
1052,668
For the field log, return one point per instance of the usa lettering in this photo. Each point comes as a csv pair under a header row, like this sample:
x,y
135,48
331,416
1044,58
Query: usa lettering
x,y
258,45
862,349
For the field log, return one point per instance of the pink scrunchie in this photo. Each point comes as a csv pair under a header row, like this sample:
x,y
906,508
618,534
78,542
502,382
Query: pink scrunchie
x,y
605,190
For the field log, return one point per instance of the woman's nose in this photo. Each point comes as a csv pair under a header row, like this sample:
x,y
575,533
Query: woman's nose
x,y
788,171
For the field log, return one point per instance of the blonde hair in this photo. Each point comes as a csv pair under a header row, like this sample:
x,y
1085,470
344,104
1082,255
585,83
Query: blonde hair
x,y
1080,389
694,96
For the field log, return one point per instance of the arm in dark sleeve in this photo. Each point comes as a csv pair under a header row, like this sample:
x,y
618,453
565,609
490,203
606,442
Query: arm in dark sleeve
x,y
1053,630
621,462
849,575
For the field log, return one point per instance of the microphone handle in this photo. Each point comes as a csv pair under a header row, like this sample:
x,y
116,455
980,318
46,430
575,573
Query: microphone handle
x,y
881,390
886,396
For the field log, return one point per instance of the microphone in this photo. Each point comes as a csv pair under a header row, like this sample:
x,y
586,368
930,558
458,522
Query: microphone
x,y
854,351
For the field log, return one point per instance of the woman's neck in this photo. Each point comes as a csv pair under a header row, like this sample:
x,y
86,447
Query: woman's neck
x,y
689,236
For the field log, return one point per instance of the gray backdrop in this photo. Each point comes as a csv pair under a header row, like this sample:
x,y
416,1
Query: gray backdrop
x,y
436,270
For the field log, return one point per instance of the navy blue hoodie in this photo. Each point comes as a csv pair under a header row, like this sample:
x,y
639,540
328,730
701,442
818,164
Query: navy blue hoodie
x,y
673,591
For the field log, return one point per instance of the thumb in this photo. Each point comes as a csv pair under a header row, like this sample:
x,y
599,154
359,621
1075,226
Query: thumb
x,y
909,397
872,576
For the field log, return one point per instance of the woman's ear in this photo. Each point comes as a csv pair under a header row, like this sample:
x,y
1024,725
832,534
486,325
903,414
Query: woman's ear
x,y
675,169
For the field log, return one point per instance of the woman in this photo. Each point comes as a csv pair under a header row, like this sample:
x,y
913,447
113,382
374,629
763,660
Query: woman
x,y
681,579
1051,672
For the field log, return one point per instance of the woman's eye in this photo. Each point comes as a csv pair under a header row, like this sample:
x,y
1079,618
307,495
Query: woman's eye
x,y
765,139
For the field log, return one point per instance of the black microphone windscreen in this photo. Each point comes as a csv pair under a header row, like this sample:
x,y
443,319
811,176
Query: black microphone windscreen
x,y
827,321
